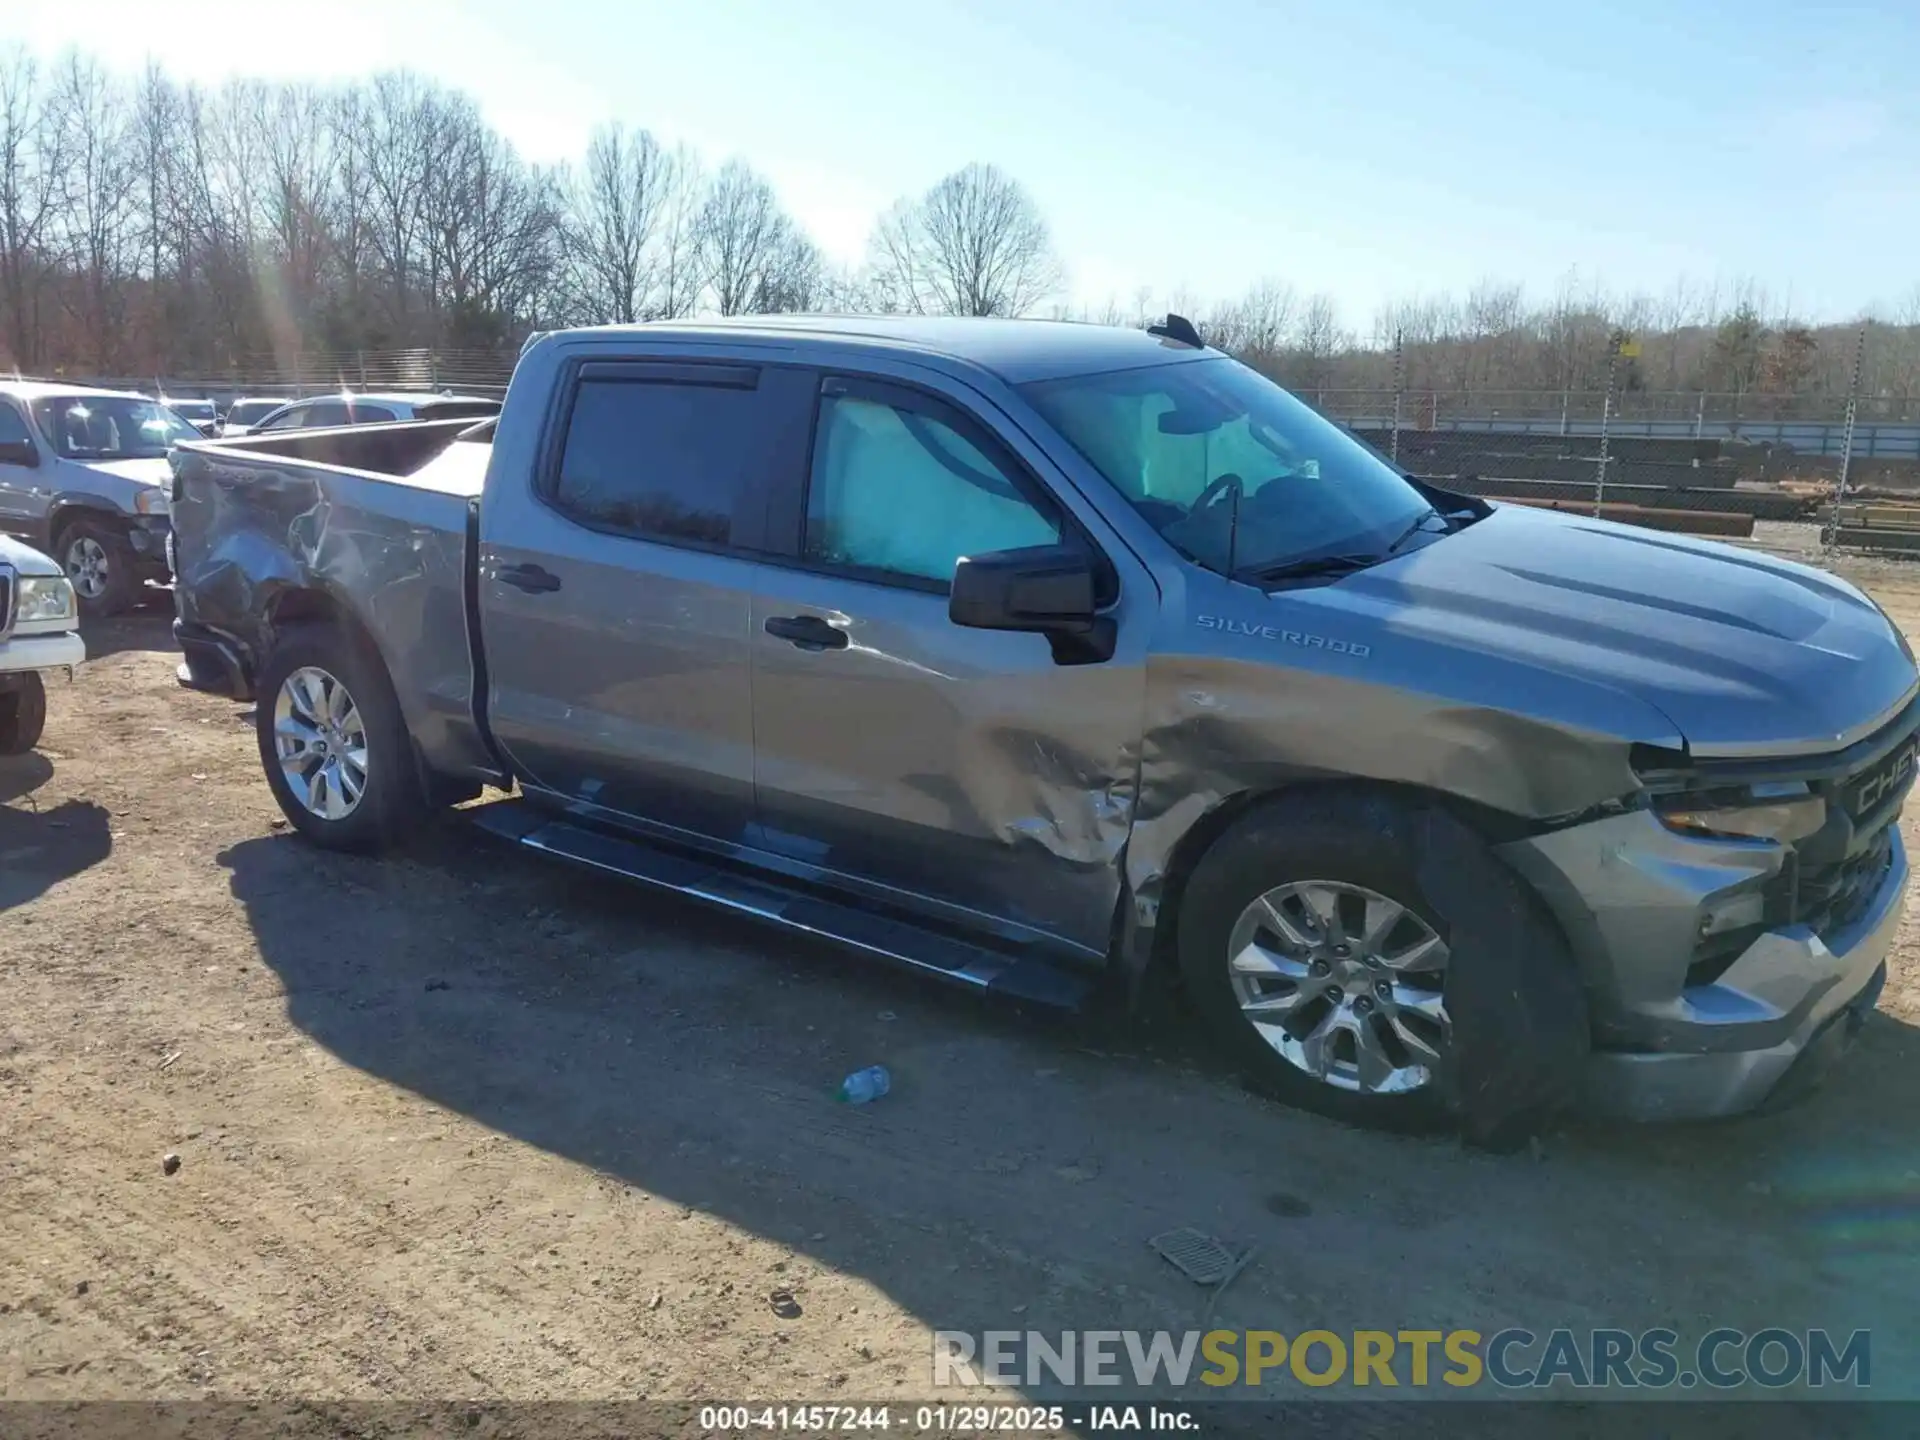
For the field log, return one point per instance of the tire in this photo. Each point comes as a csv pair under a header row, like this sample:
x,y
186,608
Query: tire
x,y
23,713
1465,1008
358,787
99,561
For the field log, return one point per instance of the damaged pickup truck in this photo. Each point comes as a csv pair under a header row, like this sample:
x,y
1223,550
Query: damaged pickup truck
x,y
1045,656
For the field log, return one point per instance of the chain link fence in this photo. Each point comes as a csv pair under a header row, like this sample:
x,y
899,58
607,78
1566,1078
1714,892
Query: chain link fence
x,y
1846,467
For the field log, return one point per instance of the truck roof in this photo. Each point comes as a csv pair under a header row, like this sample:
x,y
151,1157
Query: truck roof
x,y
1016,350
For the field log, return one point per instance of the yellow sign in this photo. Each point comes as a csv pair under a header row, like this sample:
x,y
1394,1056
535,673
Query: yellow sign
x,y
1630,349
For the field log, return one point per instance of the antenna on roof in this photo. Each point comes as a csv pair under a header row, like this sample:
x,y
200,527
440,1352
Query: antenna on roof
x,y
1178,329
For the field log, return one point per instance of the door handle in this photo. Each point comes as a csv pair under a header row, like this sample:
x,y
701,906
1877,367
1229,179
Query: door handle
x,y
530,578
809,632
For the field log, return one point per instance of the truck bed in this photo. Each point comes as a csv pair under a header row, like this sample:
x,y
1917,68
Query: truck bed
x,y
373,523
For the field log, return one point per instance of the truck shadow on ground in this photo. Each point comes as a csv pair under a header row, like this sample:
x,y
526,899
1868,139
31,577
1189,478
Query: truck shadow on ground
x,y
1015,1174
147,626
42,845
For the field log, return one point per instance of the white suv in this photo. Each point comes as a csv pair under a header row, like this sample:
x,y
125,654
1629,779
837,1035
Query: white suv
x,y
39,630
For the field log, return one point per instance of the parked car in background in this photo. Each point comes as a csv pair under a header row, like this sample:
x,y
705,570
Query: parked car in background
x,y
84,476
378,408
1041,656
39,631
247,412
200,414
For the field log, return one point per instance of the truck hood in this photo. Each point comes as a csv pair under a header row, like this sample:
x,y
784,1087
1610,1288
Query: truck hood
x,y
25,559
1743,653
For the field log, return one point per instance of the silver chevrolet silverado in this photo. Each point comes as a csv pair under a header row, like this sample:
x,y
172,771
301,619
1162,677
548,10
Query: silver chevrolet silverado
x,y
1049,656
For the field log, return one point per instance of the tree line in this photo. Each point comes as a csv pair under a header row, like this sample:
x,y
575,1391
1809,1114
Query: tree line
x,y
153,227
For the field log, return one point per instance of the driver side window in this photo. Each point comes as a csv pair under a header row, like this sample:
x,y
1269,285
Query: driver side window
x,y
898,490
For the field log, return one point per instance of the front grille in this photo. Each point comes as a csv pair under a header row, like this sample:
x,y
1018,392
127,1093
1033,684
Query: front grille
x,y
1825,898
1831,897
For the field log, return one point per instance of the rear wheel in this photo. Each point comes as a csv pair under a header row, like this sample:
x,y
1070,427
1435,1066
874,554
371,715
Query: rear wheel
x,y
23,712
334,744
99,562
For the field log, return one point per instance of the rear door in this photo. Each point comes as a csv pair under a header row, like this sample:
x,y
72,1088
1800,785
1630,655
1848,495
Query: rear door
x,y
616,591
963,772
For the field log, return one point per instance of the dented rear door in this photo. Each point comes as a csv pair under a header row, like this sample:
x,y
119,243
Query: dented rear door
x,y
960,771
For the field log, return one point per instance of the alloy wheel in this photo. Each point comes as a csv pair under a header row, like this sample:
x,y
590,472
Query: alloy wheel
x,y
321,743
86,566
1343,983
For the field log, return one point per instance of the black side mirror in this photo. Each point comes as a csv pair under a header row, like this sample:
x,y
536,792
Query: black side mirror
x,y
1050,590
19,452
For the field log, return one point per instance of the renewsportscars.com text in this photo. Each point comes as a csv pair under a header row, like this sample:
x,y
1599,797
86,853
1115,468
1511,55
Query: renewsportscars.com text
x,y
1511,1359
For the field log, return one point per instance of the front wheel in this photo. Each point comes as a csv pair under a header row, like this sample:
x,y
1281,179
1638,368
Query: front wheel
x,y
1377,963
23,712
334,743
99,562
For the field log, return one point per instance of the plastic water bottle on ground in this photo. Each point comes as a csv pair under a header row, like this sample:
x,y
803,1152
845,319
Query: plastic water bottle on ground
x,y
864,1085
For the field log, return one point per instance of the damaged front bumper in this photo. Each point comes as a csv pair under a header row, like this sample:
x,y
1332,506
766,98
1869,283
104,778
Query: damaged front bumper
x,y
1679,1034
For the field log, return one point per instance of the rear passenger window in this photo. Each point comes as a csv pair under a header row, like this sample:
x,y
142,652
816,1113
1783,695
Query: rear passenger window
x,y
364,414
327,412
661,460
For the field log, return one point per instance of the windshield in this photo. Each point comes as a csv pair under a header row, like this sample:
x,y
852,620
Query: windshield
x,y
1177,440
252,412
109,427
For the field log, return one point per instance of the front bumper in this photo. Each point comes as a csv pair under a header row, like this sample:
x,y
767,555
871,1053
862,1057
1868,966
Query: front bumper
x,y
1634,900
41,652
152,539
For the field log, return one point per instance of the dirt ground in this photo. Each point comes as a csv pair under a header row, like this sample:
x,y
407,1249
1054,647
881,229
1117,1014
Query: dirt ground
x,y
458,1124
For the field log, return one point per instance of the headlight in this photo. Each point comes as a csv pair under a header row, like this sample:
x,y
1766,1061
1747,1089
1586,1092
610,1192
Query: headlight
x,y
1765,812
42,597
152,502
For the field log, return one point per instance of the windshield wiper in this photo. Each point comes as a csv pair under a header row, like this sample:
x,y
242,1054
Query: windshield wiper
x,y
1312,565
1431,513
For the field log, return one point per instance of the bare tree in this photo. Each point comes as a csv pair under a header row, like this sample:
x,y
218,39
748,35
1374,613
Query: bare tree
x,y
1320,341
395,142
975,244
632,229
1258,324
752,256
619,207
95,230
31,168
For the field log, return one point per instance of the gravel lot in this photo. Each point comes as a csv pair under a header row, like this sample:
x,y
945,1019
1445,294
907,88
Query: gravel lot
x,y
456,1124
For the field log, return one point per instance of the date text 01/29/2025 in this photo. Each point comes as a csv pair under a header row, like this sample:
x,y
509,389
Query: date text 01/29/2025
x,y
942,1419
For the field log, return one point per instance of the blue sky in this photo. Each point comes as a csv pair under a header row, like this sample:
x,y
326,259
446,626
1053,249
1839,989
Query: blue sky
x,y
1369,149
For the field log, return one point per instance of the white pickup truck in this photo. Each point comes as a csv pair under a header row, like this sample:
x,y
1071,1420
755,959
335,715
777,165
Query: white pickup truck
x,y
39,631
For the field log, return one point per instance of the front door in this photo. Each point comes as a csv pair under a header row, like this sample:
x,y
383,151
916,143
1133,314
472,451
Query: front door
x,y
615,591
23,505
965,770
